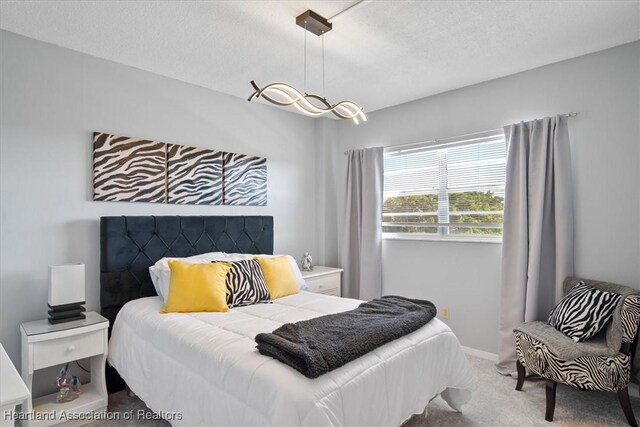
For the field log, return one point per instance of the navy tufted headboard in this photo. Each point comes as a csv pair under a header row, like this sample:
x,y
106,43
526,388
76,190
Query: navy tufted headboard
x,y
129,245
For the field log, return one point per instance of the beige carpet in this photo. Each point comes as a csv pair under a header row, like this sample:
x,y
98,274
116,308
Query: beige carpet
x,y
495,403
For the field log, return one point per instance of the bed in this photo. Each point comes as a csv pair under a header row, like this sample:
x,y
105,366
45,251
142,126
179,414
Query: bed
x,y
203,368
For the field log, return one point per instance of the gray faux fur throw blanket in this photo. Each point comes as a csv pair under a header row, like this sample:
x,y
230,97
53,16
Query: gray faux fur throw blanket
x,y
317,346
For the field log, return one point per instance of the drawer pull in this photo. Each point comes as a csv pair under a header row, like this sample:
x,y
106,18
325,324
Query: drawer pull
x,y
71,348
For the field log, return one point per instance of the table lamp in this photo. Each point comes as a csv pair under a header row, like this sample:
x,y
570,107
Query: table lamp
x,y
66,293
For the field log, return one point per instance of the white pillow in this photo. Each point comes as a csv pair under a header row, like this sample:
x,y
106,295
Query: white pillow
x,y
161,273
301,283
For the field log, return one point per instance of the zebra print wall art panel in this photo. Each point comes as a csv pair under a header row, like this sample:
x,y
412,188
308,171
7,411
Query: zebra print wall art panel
x,y
129,169
245,180
139,170
194,175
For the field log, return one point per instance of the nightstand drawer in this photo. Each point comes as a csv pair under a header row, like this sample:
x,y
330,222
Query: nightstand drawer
x,y
62,350
329,284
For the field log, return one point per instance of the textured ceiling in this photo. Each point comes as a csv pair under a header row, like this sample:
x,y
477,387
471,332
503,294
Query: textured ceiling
x,y
379,53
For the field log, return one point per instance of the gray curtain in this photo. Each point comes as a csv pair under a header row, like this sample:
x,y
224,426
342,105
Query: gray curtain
x,y
537,243
361,256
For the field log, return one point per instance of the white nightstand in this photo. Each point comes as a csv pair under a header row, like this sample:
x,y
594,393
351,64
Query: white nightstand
x,y
13,391
45,345
324,280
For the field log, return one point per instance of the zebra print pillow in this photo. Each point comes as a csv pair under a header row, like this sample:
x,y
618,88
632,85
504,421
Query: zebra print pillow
x,y
246,284
583,312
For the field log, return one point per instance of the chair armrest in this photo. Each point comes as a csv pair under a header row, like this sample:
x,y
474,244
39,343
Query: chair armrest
x,y
630,318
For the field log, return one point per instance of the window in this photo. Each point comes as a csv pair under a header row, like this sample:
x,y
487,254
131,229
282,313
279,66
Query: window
x,y
447,189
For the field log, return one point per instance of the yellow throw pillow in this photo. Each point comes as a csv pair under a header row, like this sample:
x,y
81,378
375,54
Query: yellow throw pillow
x,y
197,287
279,276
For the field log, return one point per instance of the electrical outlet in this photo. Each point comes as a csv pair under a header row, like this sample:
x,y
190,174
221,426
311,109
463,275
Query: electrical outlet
x,y
445,313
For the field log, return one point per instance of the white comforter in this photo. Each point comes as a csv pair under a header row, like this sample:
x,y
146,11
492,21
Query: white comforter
x,y
205,367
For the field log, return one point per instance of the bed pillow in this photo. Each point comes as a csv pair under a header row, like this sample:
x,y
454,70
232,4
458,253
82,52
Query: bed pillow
x,y
197,287
294,265
161,274
583,312
279,276
246,284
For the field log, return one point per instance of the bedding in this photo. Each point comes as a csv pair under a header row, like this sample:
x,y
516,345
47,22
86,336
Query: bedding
x,y
294,265
206,367
197,287
161,274
279,276
245,284
316,346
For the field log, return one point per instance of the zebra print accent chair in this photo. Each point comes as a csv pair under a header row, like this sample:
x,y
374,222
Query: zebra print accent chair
x,y
601,363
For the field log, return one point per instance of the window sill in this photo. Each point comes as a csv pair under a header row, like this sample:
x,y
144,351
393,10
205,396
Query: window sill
x,y
493,241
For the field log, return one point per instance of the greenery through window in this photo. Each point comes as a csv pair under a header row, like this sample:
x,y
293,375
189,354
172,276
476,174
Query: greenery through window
x,y
447,189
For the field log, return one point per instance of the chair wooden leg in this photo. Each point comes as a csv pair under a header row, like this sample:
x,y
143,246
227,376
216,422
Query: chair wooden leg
x,y
551,399
623,396
521,375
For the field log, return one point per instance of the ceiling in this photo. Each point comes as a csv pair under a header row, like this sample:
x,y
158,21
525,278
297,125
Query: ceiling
x,y
379,53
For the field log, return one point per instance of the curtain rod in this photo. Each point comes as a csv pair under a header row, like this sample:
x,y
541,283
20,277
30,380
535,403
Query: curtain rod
x,y
569,114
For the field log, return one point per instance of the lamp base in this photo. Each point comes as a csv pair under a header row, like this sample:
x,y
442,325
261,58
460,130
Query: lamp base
x,y
66,313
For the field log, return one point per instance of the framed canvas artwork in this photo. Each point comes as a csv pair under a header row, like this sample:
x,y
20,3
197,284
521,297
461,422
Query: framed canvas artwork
x,y
194,175
129,169
245,180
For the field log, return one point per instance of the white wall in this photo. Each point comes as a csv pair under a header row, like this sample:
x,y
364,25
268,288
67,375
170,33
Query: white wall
x,y
53,99
605,88
326,140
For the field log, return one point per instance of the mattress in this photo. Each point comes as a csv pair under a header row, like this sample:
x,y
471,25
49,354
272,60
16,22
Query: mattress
x,y
204,369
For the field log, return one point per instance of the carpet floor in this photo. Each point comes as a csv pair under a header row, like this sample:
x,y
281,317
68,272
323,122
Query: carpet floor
x,y
494,403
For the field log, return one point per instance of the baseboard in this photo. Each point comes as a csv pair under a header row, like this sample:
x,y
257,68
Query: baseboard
x,y
480,353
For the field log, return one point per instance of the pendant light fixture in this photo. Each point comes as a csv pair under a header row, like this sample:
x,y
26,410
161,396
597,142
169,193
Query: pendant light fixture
x,y
308,103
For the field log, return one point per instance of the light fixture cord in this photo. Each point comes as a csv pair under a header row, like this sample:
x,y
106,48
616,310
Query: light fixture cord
x,y
304,87
324,92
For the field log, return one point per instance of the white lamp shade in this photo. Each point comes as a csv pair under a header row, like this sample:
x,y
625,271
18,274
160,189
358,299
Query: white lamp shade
x,y
66,284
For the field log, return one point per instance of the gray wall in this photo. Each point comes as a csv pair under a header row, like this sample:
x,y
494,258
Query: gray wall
x,y
53,99
604,87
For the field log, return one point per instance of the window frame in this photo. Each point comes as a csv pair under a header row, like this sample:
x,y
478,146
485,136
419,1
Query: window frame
x,y
442,234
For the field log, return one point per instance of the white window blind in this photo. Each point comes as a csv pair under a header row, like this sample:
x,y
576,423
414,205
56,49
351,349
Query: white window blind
x,y
447,189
